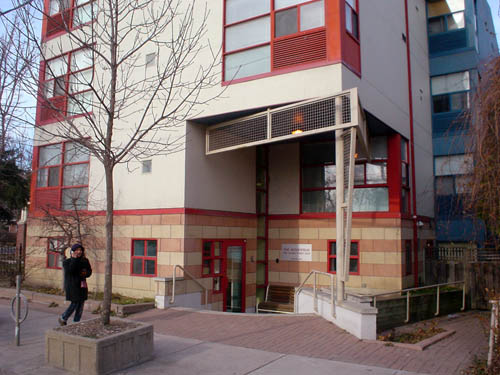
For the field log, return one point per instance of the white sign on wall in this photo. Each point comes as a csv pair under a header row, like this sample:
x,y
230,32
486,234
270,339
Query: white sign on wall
x,y
296,252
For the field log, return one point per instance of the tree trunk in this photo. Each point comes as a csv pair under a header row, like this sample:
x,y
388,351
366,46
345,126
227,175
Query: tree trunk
x,y
108,271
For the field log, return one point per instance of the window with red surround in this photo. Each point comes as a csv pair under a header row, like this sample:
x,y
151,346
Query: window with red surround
x,y
261,36
318,178
66,85
351,18
54,255
353,259
144,257
62,176
64,15
212,263
405,177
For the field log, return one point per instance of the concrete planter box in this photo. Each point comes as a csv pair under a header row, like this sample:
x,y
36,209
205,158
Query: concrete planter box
x,y
89,356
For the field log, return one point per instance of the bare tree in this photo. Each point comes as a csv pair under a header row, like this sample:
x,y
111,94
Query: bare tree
x,y
124,83
17,55
484,141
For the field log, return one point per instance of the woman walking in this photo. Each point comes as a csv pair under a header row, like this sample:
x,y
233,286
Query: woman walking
x,y
76,270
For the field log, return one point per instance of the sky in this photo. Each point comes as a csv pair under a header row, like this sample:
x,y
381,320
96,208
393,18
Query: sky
x,y
494,6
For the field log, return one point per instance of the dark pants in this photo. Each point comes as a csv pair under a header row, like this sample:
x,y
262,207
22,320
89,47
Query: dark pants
x,y
77,307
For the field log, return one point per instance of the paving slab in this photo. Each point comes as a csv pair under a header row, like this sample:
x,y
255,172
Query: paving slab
x,y
191,342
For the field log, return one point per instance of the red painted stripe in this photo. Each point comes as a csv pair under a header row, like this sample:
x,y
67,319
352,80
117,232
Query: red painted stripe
x,y
330,215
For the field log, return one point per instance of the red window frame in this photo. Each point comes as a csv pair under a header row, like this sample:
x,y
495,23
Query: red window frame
x,y
60,187
272,15
363,163
354,19
55,107
56,254
144,257
408,258
332,257
62,21
209,259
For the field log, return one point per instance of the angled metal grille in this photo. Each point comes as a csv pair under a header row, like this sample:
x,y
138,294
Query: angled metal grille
x,y
304,118
238,133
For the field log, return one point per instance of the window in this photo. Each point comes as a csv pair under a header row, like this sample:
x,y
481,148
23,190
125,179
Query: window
x,y
408,261
68,14
62,175
351,18
147,166
250,40
66,85
405,177
452,174
212,263
54,253
319,178
445,15
144,255
353,262
150,59
450,92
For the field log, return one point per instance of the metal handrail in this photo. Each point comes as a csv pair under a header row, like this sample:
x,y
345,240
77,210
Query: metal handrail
x,y
315,300
172,299
407,291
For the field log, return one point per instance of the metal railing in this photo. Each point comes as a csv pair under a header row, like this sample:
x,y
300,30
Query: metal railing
x,y
407,291
460,254
172,299
315,291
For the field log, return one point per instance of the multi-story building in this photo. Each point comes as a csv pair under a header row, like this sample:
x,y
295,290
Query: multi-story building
x,y
250,199
461,41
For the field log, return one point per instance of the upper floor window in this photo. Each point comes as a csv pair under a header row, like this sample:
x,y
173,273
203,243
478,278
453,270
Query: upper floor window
x,y
252,46
445,15
62,176
66,83
351,17
371,191
450,92
68,14
453,174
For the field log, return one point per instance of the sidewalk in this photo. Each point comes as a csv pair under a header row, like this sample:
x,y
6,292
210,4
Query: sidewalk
x,y
190,342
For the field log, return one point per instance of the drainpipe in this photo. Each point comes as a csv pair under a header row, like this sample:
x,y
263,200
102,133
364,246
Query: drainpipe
x,y
412,150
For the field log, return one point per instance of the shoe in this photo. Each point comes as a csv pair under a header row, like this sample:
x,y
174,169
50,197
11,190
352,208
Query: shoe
x,y
61,322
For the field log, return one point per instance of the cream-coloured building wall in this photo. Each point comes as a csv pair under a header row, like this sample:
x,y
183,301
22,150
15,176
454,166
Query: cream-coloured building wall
x,y
284,179
224,181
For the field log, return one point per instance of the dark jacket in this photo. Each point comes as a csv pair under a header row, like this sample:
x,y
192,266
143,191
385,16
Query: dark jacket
x,y
76,270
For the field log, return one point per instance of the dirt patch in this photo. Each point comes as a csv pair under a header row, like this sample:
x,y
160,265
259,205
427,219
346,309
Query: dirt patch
x,y
424,331
95,329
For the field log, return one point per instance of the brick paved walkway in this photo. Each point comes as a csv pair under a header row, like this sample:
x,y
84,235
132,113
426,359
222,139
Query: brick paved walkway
x,y
315,337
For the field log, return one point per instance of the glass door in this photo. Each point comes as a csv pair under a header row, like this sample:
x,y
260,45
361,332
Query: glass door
x,y
234,294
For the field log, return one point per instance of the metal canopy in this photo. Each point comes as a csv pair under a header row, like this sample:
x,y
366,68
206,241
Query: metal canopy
x,y
340,111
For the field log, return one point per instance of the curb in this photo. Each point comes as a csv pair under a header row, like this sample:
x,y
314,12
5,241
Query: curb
x,y
419,346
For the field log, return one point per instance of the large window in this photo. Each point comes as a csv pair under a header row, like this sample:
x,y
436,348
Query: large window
x,y
450,92
250,37
54,253
319,178
67,85
353,259
68,14
212,263
408,257
445,15
452,174
405,176
62,175
144,253
351,17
